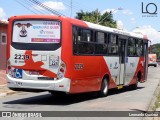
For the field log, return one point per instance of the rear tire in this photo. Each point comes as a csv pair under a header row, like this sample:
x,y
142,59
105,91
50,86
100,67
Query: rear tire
x,y
104,88
134,86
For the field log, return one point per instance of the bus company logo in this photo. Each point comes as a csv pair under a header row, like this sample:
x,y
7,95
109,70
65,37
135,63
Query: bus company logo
x,y
149,10
6,114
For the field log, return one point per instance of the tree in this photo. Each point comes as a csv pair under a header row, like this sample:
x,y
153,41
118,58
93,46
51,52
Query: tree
x,y
105,19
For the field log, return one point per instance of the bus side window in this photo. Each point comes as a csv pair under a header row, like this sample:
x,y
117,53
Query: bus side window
x,y
131,49
79,34
85,45
113,45
100,37
100,46
86,48
139,47
74,38
86,35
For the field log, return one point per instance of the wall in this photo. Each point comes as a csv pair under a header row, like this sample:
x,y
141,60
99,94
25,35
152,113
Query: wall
x,y
3,32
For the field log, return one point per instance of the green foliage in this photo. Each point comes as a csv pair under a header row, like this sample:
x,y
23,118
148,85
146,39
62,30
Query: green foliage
x,y
105,19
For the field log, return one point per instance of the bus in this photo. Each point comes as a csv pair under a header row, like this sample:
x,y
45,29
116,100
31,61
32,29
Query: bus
x,y
65,55
152,60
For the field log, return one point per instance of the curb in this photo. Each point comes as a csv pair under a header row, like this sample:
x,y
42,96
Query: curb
x,y
8,92
3,85
151,104
3,94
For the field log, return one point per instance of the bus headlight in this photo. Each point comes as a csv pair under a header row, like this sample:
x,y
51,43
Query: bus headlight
x,y
62,70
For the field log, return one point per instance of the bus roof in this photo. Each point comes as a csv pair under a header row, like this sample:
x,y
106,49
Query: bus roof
x,y
83,24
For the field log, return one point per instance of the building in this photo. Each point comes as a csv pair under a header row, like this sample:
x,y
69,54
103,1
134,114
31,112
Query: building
x,y
3,41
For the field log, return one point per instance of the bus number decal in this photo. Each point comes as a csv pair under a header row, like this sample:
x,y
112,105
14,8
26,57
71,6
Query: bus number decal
x,y
21,57
79,66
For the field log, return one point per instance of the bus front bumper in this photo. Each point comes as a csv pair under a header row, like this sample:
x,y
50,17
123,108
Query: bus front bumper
x,y
45,85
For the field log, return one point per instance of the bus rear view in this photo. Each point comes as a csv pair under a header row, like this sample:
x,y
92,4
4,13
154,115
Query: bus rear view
x,y
152,60
34,55
65,55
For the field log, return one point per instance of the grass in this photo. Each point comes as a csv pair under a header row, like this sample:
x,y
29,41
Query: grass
x,y
157,102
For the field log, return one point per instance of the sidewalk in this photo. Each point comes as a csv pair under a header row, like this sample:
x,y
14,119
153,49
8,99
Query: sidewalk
x,y
3,77
3,85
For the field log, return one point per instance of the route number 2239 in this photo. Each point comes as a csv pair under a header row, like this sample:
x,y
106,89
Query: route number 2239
x,y
21,57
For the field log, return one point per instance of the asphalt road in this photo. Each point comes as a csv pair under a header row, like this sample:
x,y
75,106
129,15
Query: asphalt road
x,y
117,100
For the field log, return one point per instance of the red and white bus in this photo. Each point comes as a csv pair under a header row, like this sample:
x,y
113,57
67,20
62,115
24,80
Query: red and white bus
x,y
61,54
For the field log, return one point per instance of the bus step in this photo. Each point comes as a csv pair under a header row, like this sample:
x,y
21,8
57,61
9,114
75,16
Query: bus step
x,y
120,86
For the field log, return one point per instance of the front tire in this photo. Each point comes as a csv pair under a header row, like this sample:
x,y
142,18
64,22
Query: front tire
x,y
104,88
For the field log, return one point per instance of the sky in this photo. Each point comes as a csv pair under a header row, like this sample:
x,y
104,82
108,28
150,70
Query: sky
x,y
127,13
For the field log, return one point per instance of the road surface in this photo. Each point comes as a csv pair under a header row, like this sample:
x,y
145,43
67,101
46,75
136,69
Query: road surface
x,y
117,100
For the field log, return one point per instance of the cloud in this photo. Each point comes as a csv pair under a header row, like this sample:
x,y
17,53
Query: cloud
x,y
2,13
120,25
51,4
127,12
133,20
114,11
152,34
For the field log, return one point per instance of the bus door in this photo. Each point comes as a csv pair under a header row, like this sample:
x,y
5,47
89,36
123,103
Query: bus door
x,y
145,53
122,56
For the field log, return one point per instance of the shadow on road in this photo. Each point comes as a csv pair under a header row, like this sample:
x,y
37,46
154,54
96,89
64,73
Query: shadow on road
x,y
48,99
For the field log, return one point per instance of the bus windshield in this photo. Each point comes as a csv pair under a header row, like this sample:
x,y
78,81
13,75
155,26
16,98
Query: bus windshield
x,y
32,32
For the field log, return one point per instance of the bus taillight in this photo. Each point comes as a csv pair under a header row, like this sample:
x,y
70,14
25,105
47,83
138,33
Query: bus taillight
x,y
61,70
8,66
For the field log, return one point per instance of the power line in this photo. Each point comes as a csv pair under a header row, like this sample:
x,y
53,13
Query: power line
x,y
73,6
71,9
25,7
46,7
33,8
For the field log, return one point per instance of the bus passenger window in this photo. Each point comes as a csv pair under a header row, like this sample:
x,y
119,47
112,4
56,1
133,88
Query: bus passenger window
x,y
85,48
131,49
100,37
139,47
79,34
113,45
101,49
74,38
100,44
87,35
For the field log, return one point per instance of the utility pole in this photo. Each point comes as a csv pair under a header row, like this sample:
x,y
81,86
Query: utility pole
x,y
97,16
71,9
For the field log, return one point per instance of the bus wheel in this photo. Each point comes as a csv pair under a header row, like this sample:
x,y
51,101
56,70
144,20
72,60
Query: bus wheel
x,y
134,86
104,88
